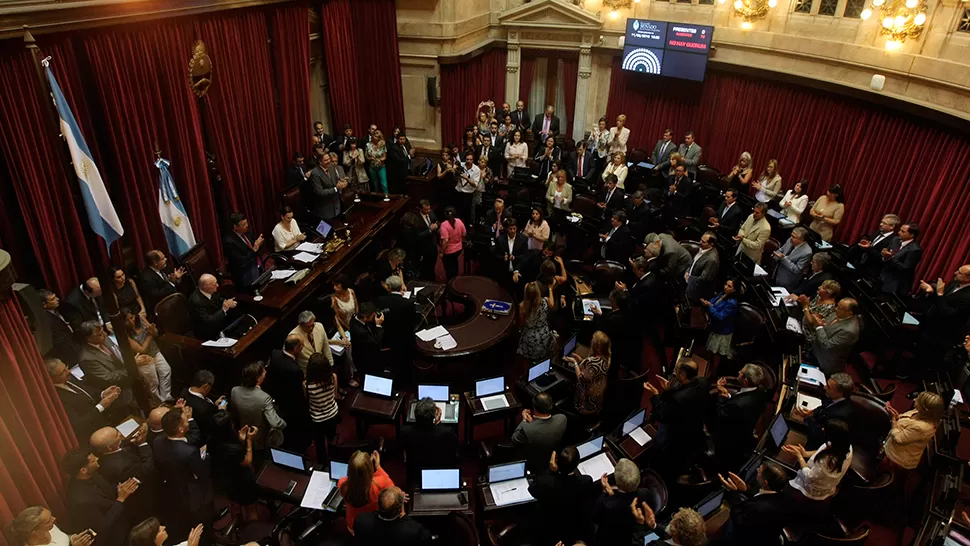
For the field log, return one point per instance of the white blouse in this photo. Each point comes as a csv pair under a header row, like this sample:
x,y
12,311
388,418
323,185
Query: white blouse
x,y
816,481
798,204
283,238
516,153
620,173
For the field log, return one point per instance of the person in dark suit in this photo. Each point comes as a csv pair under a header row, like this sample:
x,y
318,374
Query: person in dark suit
x,y
390,524
563,500
520,117
511,251
120,459
759,518
156,281
367,334
496,148
495,218
85,303
678,191
867,253
85,406
209,310
296,174
581,165
284,382
899,261
100,360
155,432
427,240
427,443
703,269
819,273
341,144
611,512
736,416
621,327
245,264
944,324
400,321
398,164
184,475
92,501
196,396
836,405
680,406
320,136
616,243
321,193
662,150
545,125
646,301
729,215
64,346
610,198
638,215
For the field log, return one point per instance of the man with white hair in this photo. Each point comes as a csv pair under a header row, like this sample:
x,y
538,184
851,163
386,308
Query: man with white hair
x,y
209,310
673,260
611,512
737,414
313,339
400,319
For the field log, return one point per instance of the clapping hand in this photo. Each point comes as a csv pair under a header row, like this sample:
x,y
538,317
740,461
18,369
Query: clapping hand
x,y
738,237
140,435
796,450
778,255
643,514
84,538
126,488
705,303
243,433
887,253
712,222
595,308
228,304
651,390
607,488
527,416
940,287
893,412
109,395
195,535
722,388
664,384
176,275
733,483
864,243
803,300
552,463
925,287
259,242
620,285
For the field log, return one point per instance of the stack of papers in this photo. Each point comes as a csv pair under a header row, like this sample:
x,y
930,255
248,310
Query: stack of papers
x,y
305,257
127,427
792,324
759,271
317,490
282,273
640,436
445,342
510,492
596,466
804,401
811,375
221,343
431,333
338,349
313,248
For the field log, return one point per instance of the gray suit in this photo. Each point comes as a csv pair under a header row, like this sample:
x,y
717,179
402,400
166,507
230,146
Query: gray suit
x,y
833,343
540,438
692,157
324,197
661,153
791,267
254,407
702,274
676,258
102,371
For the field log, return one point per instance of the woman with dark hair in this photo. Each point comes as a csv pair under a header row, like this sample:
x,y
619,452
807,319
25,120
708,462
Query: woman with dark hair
x,y
827,212
535,335
470,142
452,232
591,374
516,152
547,155
287,234
321,392
723,310
152,366
232,462
151,532
344,305
553,173
822,470
254,407
125,291
354,167
794,201
537,229
362,485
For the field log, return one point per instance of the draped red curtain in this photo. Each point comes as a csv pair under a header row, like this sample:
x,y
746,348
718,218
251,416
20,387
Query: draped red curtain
x,y
339,48
34,430
878,156
291,55
464,85
570,75
242,116
527,70
377,54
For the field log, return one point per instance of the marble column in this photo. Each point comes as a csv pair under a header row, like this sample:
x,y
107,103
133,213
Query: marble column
x,y
512,68
582,86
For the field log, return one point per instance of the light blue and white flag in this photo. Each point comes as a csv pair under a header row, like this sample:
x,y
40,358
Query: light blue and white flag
x,y
101,213
178,230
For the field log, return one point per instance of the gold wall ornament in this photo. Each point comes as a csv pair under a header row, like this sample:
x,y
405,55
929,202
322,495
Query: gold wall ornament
x,y
616,5
751,10
898,19
200,69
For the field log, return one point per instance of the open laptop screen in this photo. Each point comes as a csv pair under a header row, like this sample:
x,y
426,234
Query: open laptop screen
x,y
570,346
590,447
634,422
503,472
486,387
710,505
375,384
438,393
447,478
323,228
287,459
779,429
538,369
337,470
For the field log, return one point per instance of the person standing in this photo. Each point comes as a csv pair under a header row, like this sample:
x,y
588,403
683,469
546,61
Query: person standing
x,y
344,305
314,338
376,153
794,201
520,117
85,407
768,186
93,502
723,310
452,233
185,475
546,125
354,161
703,269
469,177
591,375
619,135
155,373
245,263
827,212
662,150
323,190
540,432
516,152
791,259
284,382
256,408
321,391
899,261
537,229
398,164
599,141
534,341
754,233
834,340
691,152
390,524
362,485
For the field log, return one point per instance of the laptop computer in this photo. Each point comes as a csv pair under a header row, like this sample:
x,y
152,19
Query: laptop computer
x,y
593,461
710,504
338,470
540,376
491,392
442,398
634,422
569,347
289,460
508,483
440,479
378,386
323,229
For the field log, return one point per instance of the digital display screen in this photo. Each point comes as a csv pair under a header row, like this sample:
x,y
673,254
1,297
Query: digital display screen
x,y
504,472
693,38
323,228
538,370
634,422
377,385
640,32
779,429
438,393
486,387
646,60
590,447
449,478
337,470
570,346
287,459
677,50
712,504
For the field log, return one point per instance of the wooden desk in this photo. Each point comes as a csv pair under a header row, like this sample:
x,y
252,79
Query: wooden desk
x,y
487,502
434,503
367,406
480,332
276,478
627,446
477,414
243,343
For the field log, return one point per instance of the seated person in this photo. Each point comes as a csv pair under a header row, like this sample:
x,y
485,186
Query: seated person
x,y
242,252
209,310
820,471
759,518
85,406
563,498
837,405
611,512
84,303
427,443
686,528
540,432
390,524
816,276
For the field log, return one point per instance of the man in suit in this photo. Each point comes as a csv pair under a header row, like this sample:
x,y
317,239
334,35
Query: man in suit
x,y
93,502
562,498
817,275
673,260
760,518
428,240
427,443
85,407
400,321
196,396
704,266
582,165
729,215
313,339
736,416
610,198
680,406
540,432
611,512
944,324
63,343
398,164
510,251
209,310
616,244
622,327
367,334
496,145
245,264
692,154
495,218
660,156
321,193
341,144
836,405
101,361
284,382
320,136
193,437
834,341
120,459
647,301
85,303
754,233
156,282
545,125
520,118
867,252
792,258
678,191
638,214
185,476
296,173
900,260
390,524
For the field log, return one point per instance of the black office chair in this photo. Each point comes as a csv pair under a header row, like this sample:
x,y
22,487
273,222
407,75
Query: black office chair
x,y
605,275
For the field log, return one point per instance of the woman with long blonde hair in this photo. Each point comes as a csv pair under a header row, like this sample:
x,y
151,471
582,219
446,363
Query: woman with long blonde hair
x,y
534,313
591,374
913,430
362,485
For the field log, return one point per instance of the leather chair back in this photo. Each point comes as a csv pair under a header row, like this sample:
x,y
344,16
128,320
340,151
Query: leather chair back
x,y
586,206
871,422
692,246
771,246
637,155
366,287
856,537
343,451
708,212
462,530
605,275
172,315
708,175
649,479
198,262
749,324
291,197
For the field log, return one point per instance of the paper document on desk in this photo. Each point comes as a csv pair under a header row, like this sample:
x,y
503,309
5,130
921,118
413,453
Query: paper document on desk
x,y
221,343
338,349
407,295
596,467
910,319
305,257
811,375
127,427
805,401
317,490
510,492
431,333
793,325
314,248
445,342
759,271
778,295
282,273
640,436
495,402
589,305
416,290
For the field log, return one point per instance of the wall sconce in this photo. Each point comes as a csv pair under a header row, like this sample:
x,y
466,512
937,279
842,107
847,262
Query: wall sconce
x,y
751,10
900,20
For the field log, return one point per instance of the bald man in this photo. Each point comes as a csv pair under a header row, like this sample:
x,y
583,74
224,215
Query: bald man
x,y
120,459
680,405
284,382
943,326
193,436
390,524
210,311
834,340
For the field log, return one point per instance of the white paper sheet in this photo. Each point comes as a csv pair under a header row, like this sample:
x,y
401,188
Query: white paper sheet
x,y
416,290
640,436
445,342
811,375
794,325
497,401
305,257
282,273
338,349
778,294
759,271
221,343
431,333
407,295
588,306
127,427
313,248
510,492
804,401
317,490
597,466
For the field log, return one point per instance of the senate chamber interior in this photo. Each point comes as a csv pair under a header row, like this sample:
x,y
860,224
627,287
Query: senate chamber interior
x,y
484,272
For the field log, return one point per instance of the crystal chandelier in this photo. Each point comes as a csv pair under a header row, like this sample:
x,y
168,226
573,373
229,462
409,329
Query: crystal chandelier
x,y
900,19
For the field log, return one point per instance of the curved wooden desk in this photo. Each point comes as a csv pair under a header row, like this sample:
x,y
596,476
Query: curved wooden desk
x,y
479,332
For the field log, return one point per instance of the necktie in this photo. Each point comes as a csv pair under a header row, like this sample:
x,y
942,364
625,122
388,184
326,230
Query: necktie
x,y
662,150
608,195
309,339
725,211
427,220
545,125
580,173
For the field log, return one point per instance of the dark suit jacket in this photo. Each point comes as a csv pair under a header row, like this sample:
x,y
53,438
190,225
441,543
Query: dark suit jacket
x,y
809,285
537,126
871,257
185,476
946,318
193,437
434,446
92,504
638,218
490,218
399,322
77,308
563,507
398,162
81,409
520,251
521,119
132,462
614,523
828,411
496,151
681,410
203,412
626,338
736,418
619,247
731,221
646,294
588,175
614,204
759,519
64,345
243,261
208,318
658,157
368,339
295,175
897,272
320,193
284,382
371,530
427,239
154,288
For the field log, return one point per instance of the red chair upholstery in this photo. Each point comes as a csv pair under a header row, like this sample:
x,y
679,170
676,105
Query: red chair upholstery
x,y
605,275
586,206
198,262
172,315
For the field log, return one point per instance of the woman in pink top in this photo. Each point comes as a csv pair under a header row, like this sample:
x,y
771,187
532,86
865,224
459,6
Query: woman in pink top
x,y
452,233
362,485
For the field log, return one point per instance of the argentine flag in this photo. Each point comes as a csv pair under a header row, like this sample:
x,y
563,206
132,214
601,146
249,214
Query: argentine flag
x,y
178,230
101,213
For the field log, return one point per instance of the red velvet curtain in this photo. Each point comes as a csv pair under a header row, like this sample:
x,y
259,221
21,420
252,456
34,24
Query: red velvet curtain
x,y
464,85
291,55
570,75
379,77
339,47
527,71
879,156
34,430
242,116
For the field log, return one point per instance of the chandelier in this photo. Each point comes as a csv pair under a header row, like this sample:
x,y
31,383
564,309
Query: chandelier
x,y
901,19
751,10
616,5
